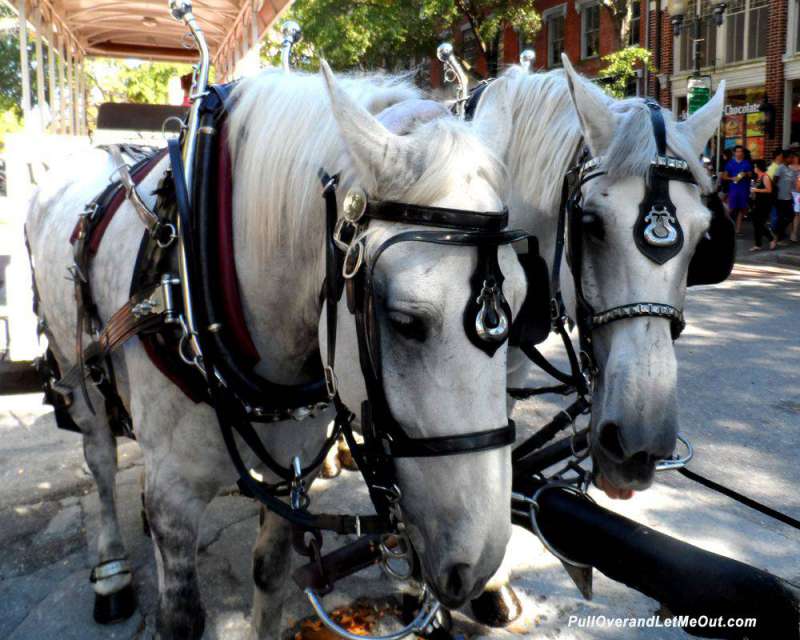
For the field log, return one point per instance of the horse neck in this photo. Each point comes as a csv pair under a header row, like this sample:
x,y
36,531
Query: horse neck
x,y
545,136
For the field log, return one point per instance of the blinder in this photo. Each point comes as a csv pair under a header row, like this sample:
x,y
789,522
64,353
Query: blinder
x,y
715,255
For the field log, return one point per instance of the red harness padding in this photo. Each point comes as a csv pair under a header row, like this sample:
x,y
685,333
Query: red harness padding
x,y
241,344
139,173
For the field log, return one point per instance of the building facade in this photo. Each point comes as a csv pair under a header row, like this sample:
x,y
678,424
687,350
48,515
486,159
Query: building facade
x,y
756,50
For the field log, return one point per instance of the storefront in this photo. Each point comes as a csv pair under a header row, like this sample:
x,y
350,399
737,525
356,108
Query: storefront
x,y
743,121
794,118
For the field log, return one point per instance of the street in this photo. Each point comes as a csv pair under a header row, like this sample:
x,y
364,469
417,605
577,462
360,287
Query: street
x,y
739,406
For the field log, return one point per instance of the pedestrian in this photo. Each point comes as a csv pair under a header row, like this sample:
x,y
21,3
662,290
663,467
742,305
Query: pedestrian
x,y
762,198
785,183
722,185
795,168
777,161
737,174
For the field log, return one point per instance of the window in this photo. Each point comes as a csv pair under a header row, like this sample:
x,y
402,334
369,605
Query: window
x,y
707,41
634,35
746,30
590,31
555,40
797,26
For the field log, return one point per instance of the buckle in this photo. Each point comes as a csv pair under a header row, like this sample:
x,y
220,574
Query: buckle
x,y
330,381
90,211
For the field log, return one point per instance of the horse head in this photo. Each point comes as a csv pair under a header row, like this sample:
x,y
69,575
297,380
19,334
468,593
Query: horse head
x,y
438,382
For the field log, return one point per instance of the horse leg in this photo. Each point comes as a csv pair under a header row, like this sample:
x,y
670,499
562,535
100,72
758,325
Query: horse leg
x,y
111,576
174,505
271,564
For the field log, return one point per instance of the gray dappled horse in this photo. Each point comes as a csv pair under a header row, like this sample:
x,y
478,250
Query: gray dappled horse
x,y
282,130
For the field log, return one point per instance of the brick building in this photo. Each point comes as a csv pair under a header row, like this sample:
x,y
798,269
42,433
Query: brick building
x,y
756,50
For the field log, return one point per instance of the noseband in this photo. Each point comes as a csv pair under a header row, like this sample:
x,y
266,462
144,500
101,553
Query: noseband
x,y
487,320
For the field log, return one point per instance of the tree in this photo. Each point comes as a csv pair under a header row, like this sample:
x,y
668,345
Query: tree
x,y
621,68
369,34
10,76
621,12
132,80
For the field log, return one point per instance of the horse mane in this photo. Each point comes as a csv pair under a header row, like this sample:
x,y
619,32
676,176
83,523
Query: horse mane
x,y
545,122
282,131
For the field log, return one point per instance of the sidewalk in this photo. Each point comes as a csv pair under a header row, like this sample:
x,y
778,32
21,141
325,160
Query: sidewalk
x,y
785,256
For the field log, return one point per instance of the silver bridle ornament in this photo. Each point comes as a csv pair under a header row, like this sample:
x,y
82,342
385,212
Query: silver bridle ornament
x,y
660,231
490,301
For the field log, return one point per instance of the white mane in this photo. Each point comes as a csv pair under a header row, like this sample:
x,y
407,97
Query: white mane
x,y
282,132
546,135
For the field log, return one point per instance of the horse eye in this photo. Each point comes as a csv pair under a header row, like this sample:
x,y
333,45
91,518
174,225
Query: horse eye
x,y
593,224
408,326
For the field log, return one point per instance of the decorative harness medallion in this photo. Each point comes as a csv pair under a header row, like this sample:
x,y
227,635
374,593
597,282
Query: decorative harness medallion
x,y
659,231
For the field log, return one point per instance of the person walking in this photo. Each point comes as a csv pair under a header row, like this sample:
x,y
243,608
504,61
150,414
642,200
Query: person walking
x,y
762,199
738,171
785,183
794,167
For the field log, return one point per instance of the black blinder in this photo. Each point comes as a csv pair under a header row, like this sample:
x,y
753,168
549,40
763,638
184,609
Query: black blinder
x,y
487,316
533,322
713,259
658,233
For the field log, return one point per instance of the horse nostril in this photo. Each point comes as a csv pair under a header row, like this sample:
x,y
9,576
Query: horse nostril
x,y
458,580
642,458
610,439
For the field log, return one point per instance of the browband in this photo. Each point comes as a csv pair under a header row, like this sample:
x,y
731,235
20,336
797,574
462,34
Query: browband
x,y
438,216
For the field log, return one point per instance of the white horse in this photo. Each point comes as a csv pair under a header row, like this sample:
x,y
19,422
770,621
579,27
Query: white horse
x,y
634,404
282,130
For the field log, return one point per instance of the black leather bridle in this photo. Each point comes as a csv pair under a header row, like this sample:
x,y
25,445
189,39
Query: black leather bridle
x,y
347,269
657,234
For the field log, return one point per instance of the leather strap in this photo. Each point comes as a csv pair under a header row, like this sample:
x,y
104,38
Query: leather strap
x,y
453,445
490,221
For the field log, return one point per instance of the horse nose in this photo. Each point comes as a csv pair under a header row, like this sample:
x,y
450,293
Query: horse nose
x,y
458,582
611,441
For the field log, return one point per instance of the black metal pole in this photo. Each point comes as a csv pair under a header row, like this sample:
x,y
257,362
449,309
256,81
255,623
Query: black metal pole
x,y
686,580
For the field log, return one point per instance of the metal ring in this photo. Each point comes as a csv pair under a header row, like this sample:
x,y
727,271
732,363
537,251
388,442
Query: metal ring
x,y
428,609
181,125
173,234
348,275
534,506
669,464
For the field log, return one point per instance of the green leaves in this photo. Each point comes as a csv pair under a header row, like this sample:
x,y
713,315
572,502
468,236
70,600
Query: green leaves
x,y
370,34
621,68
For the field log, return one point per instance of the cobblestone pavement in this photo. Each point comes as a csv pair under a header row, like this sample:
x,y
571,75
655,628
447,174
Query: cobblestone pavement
x,y
739,405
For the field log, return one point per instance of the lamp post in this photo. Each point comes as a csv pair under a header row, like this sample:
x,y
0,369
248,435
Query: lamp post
x,y
681,21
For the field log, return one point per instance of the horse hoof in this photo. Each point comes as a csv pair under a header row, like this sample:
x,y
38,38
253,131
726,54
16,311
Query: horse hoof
x,y
114,607
497,607
331,467
346,457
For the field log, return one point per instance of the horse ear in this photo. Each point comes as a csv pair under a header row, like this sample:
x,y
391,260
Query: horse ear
x,y
591,104
492,122
373,148
702,124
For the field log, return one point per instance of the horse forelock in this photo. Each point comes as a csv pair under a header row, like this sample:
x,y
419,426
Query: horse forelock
x,y
546,135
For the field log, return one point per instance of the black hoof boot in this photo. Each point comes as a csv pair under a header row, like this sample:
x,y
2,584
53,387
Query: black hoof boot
x,y
497,607
114,607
